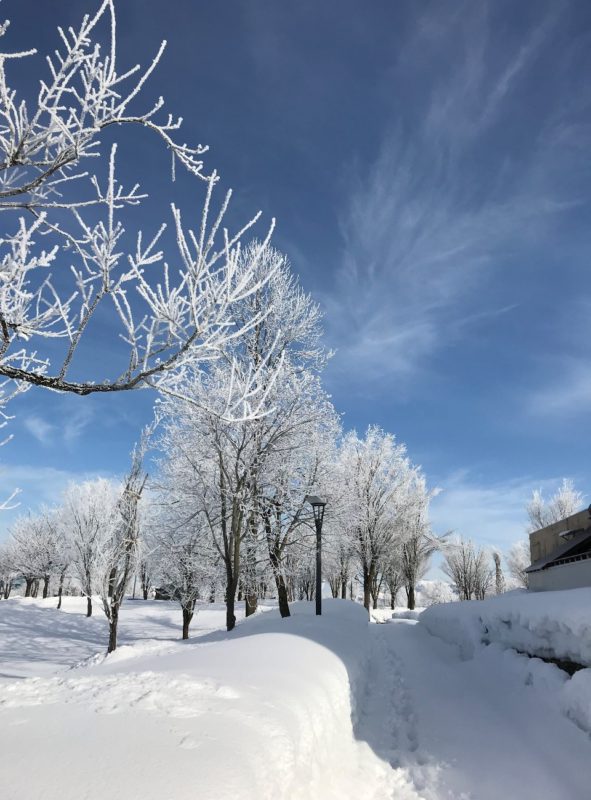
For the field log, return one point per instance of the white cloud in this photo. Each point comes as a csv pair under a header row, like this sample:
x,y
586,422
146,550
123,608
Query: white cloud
x,y
39,485
42,430
492,514
71,426
75,423
425,227
566,394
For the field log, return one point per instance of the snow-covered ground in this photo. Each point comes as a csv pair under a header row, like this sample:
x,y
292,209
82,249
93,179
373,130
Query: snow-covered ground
x,y
546,624
299,708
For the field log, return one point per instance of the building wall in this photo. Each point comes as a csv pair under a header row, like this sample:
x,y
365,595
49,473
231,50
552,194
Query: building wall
x,y
575,575
545,541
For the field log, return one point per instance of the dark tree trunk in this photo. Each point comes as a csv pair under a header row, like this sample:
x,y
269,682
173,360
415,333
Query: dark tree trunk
x,y
282,596
367,577
60,589
282,590
113,628
28,586
35,589
375,601
145,592
187,617
230,604
7,589
45,586
251,602
392,601
410,596
88,606
344,589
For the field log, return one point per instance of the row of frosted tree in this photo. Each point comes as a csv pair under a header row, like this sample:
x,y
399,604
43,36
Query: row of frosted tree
x,y
224,513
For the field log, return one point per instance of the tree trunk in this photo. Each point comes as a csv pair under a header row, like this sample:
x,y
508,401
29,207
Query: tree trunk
x,y
410,596
282,596
88,606
28,586
112,577
60,589
145,593
251,602
187,617
35,589
367,578
45,586
113,628
344,589
230,605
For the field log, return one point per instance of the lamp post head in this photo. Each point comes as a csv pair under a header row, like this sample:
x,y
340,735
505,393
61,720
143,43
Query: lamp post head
x,y
317,506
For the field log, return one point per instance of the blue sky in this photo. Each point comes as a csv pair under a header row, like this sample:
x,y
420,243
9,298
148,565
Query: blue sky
x,y
428,165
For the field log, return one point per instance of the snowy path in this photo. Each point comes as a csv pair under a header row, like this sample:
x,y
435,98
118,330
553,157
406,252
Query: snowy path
x,y
466,730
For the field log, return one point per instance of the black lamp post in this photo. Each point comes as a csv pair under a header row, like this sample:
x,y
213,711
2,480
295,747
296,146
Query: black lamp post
x,y
318,508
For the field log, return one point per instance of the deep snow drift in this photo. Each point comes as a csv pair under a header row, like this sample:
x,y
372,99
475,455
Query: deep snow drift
x,y
555,625
546,624
315,708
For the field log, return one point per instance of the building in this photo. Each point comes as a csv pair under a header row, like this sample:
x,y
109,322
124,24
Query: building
x,y
561,554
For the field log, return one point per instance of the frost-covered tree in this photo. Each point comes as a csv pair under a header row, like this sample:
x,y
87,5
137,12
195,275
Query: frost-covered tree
x,y
180,549
417,543
518,560
374,472
8,573
117,556
37,549
66,211
565,501
248,476
337,559
393,574
468,568
89,514
434,592
499,577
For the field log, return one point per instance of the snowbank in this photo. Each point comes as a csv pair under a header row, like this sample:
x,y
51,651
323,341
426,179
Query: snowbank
x,y
406,613
545,624
264,712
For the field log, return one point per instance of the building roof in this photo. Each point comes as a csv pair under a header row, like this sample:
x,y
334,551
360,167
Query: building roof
x,y
580,543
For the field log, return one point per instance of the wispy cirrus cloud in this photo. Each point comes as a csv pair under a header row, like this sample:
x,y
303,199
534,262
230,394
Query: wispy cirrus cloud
x,y
40,429
566,392
492,513
450,203
39,485
67,430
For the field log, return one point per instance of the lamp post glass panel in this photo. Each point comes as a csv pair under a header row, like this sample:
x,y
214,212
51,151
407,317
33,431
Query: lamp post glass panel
x,y
318,508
